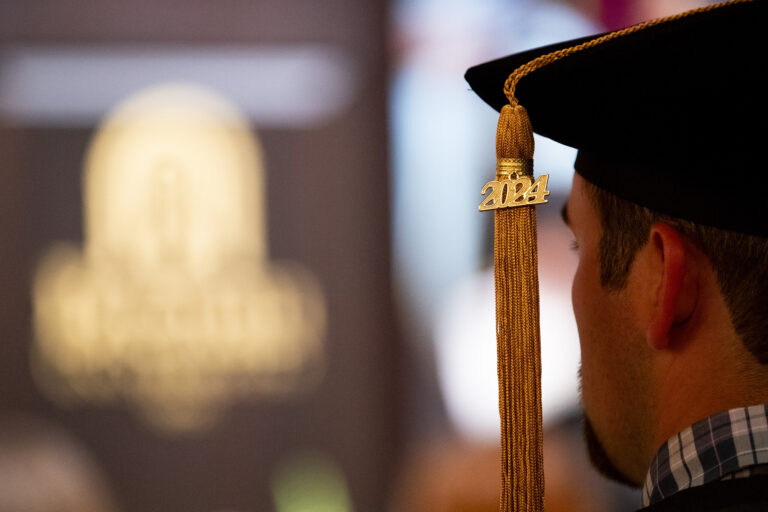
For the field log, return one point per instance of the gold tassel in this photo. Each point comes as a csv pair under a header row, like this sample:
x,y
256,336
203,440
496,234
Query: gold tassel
x,y
517,324
512,196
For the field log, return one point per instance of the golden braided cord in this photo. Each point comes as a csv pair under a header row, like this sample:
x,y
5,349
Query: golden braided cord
x,y
511,83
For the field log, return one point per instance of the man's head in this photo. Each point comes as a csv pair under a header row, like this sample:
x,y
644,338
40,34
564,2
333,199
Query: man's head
x,y
671,314
664,307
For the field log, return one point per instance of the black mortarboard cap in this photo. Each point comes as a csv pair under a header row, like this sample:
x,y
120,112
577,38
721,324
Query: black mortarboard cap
x,y
671,117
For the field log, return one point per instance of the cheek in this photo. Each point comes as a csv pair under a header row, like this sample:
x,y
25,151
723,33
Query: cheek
x,y
607,342
592,313
584,296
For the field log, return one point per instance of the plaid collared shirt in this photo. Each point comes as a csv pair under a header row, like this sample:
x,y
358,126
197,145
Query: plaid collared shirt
x,y
729,444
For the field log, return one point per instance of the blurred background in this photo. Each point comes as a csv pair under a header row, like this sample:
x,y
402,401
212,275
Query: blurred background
x,y
241,263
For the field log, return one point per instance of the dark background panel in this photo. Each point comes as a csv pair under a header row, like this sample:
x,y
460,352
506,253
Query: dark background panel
x,y
336,225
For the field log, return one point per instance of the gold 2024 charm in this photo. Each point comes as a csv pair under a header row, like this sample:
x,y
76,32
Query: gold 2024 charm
x,y
513,190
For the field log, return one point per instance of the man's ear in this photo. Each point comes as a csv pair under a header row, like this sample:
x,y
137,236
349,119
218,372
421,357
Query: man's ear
x,y
675,294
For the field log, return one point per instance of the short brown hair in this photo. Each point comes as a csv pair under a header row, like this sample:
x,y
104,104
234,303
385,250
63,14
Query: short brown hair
x,y
740,261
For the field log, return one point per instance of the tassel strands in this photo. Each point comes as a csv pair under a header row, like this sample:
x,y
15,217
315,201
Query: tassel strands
x,y
512,196
517,328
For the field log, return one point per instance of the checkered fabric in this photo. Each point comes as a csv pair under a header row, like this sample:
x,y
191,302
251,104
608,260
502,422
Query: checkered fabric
x,y
729,444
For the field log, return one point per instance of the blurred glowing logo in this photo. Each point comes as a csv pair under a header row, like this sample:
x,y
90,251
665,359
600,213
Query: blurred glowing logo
x,y
173,305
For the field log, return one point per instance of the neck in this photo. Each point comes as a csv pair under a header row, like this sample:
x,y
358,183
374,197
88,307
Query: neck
x,y
708,371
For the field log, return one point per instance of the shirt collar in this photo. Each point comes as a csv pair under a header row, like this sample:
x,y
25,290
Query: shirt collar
x,y
722,444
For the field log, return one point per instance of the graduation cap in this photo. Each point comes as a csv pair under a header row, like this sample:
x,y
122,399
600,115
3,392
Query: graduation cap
x,y
668,114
